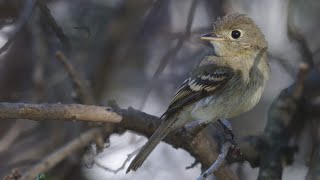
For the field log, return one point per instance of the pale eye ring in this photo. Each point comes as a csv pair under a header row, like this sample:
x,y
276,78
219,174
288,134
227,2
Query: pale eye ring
x,y
236,34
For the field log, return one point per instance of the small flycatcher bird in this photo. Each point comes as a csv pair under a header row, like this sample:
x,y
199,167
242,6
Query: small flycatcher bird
x,y
223,85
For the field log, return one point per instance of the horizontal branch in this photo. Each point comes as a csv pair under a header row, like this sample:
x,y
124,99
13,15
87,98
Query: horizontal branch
x,y
64,112
200,144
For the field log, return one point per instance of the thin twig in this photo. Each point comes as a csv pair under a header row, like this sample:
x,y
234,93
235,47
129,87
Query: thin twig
x,y
115,171
170,54
59,155
118,37
21,21
217,164
82,90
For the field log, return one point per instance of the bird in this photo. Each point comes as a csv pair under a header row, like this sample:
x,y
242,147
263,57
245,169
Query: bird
x,y
225,83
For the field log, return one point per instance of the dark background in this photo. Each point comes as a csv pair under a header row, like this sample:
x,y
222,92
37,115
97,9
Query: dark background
x,y
136,52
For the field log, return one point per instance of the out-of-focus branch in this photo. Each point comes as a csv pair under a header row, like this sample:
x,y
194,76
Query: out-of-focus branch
x,y
314,165
14,175
65,151
127,16
295,35
50,20
11,135
83,92
278,130
171,53
284,121
21,21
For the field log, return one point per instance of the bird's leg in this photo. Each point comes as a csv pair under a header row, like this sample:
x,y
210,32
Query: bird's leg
x,y
228,136
227,146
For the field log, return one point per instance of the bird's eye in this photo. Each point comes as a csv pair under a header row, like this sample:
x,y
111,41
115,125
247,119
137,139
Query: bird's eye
x,y
235,34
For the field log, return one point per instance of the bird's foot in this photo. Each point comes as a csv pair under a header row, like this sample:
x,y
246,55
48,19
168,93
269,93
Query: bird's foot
x,y
227,131
228,136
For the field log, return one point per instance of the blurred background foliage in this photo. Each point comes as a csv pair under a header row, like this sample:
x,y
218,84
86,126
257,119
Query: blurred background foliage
x,y
136,53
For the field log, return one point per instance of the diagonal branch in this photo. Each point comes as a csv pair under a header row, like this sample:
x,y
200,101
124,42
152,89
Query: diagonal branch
x,y
170,54
82,90
295,35
65,151
50,20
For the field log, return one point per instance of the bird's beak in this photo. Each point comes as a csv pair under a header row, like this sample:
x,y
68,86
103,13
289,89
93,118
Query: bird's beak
x,y
211,37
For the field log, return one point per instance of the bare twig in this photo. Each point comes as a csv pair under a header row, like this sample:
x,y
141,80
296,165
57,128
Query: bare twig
x,y
49,19
115,171
127,16
63,112
59,155
40,48
218,163
170,54
11,135
82,90
21,21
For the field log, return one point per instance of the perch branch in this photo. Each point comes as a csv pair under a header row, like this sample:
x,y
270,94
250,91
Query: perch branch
x,y
63,112
200,145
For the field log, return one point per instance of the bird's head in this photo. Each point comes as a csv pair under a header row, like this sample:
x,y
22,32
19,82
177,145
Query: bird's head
x,y
234,35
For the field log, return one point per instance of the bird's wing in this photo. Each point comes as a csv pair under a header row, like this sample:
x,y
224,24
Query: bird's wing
x,y
203,82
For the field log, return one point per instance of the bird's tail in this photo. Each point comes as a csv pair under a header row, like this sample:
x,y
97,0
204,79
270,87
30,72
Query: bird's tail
x,y
154,140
